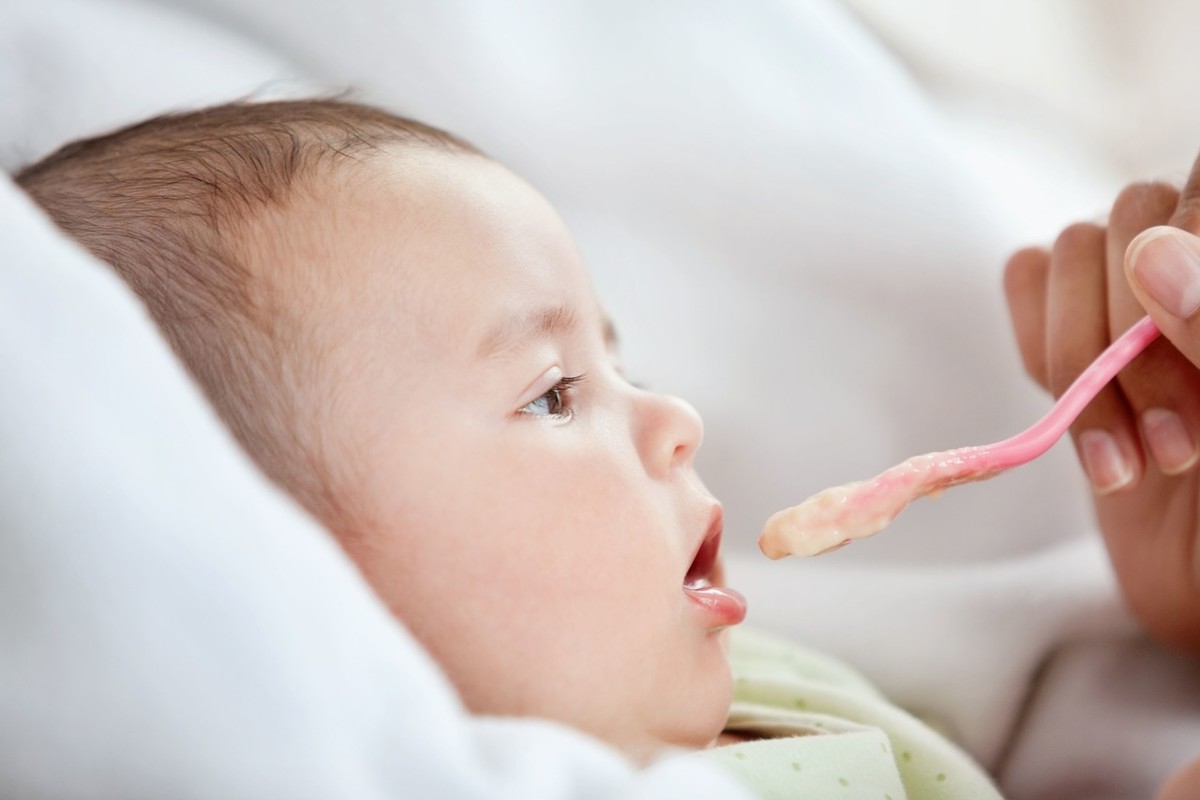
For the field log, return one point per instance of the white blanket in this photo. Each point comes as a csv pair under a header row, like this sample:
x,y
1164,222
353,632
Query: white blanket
x,y
786,233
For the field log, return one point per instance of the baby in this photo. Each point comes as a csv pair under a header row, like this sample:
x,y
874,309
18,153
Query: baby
x,y
402,334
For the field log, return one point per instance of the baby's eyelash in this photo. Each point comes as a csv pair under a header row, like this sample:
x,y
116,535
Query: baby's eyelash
x,y
567,381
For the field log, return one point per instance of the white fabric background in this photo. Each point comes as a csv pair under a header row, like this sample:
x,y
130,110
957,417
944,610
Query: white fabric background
x,y
798,222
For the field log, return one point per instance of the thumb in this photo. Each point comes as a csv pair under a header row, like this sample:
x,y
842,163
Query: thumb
x,y
1162,266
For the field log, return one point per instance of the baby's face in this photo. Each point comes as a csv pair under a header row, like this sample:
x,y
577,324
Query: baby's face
x,y
528,513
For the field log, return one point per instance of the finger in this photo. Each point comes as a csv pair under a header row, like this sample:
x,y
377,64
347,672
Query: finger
x,y
1137,208
1159,383
1187,214
1184,784
1025,278
1076,332
1163,268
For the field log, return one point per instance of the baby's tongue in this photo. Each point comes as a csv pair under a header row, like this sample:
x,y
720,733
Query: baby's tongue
x,y
725,606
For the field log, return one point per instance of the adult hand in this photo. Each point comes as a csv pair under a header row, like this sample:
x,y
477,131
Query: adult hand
x,y
1138,440
1184,784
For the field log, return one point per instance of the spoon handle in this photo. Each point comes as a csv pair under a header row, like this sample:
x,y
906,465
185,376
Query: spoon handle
x,y
1039,437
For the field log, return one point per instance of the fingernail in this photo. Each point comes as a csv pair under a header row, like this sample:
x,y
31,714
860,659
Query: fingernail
x,y
1168,270
1105,464
1169,441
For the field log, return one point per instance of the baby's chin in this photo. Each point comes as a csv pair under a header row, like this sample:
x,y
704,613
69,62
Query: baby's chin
x,y
658,747
704,728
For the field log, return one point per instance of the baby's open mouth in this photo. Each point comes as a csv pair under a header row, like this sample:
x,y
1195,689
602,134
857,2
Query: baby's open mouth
x,y
702,583
705,563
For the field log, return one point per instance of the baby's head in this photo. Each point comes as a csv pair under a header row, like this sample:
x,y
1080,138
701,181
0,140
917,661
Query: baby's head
x,y
402,334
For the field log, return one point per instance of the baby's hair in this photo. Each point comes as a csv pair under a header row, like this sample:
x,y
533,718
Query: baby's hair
x,y
166,203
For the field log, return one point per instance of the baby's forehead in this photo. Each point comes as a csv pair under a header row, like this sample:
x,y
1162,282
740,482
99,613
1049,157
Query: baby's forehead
x,y
442,238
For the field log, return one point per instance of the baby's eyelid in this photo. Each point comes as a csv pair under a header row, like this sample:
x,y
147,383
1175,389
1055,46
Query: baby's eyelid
x,y
539,388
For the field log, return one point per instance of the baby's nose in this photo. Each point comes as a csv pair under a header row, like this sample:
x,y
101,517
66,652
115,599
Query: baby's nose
x,y
669,432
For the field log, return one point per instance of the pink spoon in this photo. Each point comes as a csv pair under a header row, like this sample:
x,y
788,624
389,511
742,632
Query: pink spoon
x,y
836,516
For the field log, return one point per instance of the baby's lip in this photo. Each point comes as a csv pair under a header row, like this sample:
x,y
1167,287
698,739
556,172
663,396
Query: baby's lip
x,y
720,605
703,581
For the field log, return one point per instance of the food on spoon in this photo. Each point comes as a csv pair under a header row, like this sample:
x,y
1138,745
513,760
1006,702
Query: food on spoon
x,y
834,517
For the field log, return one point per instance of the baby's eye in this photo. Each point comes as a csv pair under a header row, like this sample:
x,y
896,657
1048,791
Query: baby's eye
x,y
555,403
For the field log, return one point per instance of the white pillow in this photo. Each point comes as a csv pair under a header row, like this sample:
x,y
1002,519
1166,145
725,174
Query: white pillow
x,y
70,68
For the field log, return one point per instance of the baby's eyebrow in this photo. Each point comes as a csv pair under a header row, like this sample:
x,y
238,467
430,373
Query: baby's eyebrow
x,y
514,332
